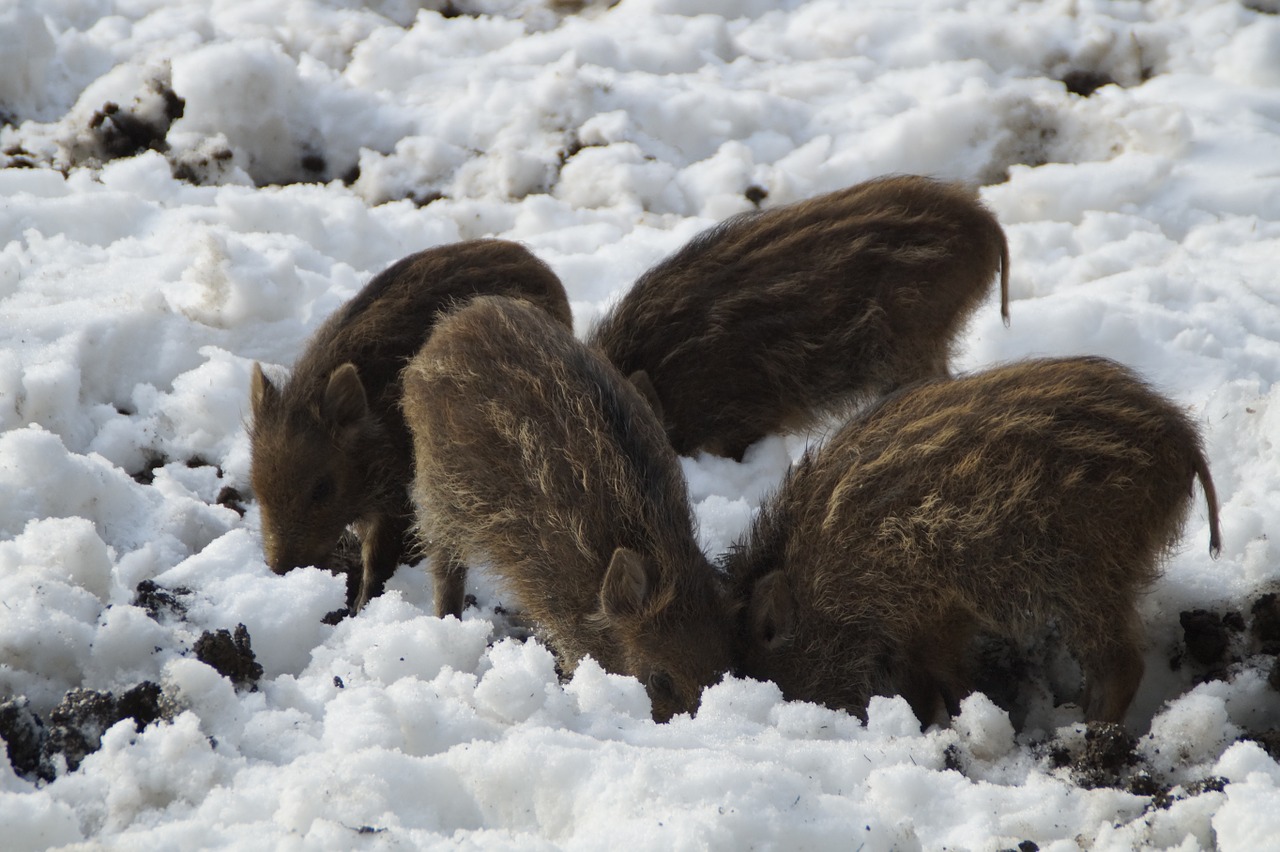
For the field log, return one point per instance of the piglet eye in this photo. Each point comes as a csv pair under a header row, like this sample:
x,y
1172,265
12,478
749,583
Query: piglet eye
x,y
322,490
660,685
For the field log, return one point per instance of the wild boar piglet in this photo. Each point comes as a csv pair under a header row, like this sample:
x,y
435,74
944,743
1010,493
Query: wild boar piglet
x,y
329,445
1041,491
773,319
534,454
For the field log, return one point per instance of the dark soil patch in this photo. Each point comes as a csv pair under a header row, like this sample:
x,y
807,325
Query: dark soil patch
x,y
1164,797
1266,623
1029,138
1106,758
153,462
1211,643
1143,783
422,199
1024,846
24,734
41,752
1269,740
210,162
115,131
1084,83
157,600
572,147
755,194
573,7
206,166
76,726
231,655
18,157
231,498
1108,752
142,704
123,134
1212,784
1205,635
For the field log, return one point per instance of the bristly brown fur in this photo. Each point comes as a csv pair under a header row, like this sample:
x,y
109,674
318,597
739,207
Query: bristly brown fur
x,y
330,447
771,319
1043,490
534,453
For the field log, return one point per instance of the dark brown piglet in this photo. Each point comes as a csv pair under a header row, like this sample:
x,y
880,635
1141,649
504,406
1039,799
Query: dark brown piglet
x,y
772,319
330,446
1041,491
535,454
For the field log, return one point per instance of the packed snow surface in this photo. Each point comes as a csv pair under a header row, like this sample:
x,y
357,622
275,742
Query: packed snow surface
x,y
191,187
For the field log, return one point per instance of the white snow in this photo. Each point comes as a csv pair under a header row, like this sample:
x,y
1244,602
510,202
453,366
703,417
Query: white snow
x,y
1144,225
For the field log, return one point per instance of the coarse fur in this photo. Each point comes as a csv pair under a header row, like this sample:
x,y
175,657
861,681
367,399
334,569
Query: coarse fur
x,y
535,454
330,446
1046,490
774,318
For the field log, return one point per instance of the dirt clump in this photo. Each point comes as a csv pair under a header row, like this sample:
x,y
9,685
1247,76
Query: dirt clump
x,y
157,600
23,733
43,751
231,655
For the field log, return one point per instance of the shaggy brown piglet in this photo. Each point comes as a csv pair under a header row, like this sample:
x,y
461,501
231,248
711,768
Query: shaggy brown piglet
x,y
771,319
535,454
1041,491
330,446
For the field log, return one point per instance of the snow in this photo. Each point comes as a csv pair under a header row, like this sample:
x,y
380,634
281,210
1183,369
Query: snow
x,y
321,140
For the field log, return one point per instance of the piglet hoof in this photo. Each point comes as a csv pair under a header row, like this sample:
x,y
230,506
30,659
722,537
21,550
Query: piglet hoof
x,y
336,615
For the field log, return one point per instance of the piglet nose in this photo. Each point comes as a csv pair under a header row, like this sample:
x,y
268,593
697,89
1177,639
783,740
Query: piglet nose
x,y
284,561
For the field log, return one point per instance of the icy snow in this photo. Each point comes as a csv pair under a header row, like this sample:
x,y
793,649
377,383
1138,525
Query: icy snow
x,y
320,140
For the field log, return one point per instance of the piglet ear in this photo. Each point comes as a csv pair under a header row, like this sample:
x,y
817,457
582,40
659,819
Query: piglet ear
x,y
261,392
629,582
344,399
772,612
640,381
